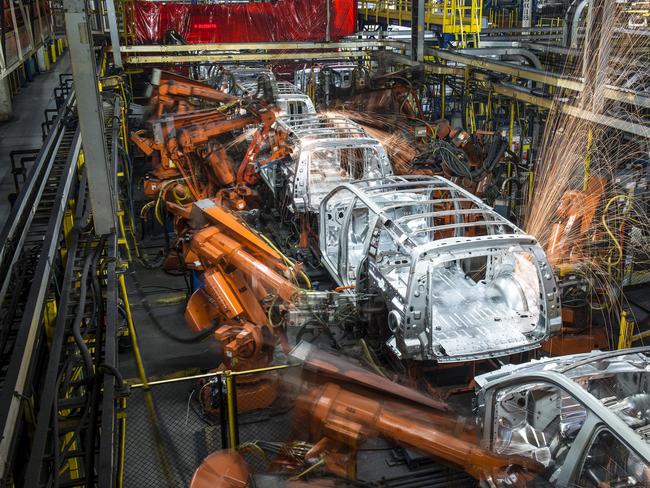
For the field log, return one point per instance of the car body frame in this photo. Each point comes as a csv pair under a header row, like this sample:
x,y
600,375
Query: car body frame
x,y
459,282
584,417
326,151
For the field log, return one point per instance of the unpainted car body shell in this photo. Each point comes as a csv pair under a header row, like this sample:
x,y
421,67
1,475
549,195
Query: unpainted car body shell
x,y
459,281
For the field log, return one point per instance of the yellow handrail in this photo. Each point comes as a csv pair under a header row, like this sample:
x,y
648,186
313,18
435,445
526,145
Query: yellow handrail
x,y
460,18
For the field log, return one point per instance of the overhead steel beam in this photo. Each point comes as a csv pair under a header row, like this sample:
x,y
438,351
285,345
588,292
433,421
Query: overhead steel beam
x,y
567,51
236,52
520,30
429,68
549,38
548,103
91,118
523,95
417,30
114,32
443,70
303,51
606,120
610,92
551,48
253,46
505,51
234,58
509,69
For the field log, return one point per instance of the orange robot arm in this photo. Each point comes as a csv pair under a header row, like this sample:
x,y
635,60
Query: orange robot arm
x,y
195,89
344,417
241,272
576,213
174,90
194,135
217,248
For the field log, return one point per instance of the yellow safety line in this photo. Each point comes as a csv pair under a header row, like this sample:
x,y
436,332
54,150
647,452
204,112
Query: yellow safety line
x,y
232,425
143,377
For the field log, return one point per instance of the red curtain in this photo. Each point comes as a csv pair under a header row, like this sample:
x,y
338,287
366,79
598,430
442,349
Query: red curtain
x,y
278,20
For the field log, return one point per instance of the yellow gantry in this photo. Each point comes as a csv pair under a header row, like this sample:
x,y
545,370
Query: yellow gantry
x,y
459,18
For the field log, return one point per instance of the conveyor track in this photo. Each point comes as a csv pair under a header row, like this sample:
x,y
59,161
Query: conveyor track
x,y
23,236
29,241
437,475
40,267
83,398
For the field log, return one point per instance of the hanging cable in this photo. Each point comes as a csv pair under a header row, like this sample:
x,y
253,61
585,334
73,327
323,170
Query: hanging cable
x,y
184,340
76,325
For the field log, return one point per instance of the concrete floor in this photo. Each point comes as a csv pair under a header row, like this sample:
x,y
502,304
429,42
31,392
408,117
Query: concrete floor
x,y
160,354
23,131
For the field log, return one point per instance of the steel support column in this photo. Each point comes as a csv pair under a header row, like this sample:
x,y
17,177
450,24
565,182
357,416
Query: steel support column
x,y
114,31
109,423
5,100
597,48
417,30
526,14
82,57
3,50
328,26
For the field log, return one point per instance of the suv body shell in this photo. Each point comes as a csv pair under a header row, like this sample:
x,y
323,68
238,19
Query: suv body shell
x,y
414,243
327,151
554,410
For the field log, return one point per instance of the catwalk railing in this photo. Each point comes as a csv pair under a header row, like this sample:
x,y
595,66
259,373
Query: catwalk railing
x,y
26,27
173,424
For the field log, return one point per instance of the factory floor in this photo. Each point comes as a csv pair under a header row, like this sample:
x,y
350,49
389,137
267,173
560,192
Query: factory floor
x,y
164,445
23,131
169,432
161,355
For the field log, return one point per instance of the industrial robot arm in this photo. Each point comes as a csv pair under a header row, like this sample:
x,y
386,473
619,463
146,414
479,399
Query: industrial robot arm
x,y
247,282
339,419
172,93
185,146
242,274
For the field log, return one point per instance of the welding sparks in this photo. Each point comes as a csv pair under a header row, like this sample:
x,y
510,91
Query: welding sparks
x,y
389,131
578,210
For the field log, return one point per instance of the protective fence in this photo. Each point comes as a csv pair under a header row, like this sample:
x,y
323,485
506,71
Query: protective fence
x,y
172,425
266,21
